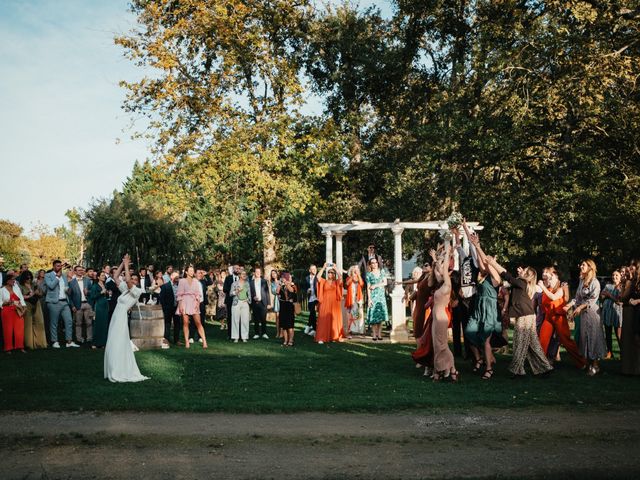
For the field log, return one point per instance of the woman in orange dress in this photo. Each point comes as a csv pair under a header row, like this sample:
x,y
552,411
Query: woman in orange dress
x,y
329,328
555,318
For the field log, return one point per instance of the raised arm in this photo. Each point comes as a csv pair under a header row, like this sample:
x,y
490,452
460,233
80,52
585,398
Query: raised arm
x,y
559,293
116,276
444,266
321,272
127,274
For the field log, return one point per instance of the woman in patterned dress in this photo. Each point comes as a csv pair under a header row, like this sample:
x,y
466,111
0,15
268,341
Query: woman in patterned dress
x,y
592,345
377,312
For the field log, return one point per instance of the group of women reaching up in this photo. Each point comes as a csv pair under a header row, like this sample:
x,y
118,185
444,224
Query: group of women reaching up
x,y
539,310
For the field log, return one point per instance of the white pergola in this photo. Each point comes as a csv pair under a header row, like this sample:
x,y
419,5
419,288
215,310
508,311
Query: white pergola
x,y
399,331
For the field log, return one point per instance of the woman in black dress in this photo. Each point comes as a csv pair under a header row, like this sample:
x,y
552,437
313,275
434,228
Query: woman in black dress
x,y
287,295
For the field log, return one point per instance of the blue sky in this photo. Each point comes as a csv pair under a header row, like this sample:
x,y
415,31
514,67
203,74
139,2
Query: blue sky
x,y
64,139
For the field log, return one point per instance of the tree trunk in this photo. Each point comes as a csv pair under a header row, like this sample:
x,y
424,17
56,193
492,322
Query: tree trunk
x,y
269,246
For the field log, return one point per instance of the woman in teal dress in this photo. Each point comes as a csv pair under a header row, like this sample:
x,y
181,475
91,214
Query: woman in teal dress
x,y
99,300
484,320
611,311
377,312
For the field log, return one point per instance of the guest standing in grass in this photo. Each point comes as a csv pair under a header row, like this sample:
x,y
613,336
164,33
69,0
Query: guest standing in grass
x,y
240,312
99,299
189,297
611,311
526,345
329,328
377,313
592,344
555,317
286,296
34,332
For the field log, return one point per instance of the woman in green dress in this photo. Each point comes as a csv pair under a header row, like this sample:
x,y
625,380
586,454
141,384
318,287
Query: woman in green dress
x,y
377,312
99,300
484,320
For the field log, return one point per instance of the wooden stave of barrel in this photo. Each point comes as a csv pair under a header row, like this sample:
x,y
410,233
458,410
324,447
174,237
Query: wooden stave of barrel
x,y
147,326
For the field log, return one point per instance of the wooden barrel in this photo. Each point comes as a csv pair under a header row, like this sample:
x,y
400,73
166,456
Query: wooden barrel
x,y
147,326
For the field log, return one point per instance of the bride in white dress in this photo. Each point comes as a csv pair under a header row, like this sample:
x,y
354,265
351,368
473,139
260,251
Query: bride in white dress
x,y
119,362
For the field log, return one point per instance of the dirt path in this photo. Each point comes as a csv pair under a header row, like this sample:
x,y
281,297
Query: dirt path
x,y
486,444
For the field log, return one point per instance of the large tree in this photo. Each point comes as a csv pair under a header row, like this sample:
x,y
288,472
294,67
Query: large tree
x,y
224,103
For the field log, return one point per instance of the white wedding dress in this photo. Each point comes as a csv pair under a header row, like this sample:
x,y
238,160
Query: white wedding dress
x,y
119,362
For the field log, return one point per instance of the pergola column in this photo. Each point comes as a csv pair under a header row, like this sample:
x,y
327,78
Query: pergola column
x,y
329,246
339,236
339,263
399,331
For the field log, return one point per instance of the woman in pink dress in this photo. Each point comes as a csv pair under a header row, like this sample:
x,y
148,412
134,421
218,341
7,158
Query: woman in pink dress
x,y
189,297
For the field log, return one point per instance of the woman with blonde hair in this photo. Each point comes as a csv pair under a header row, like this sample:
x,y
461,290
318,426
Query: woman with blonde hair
x,y
353,302
526,345
592,344
443,361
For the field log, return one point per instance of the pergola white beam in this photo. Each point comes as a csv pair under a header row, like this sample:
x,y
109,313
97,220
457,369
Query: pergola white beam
x,y
359,226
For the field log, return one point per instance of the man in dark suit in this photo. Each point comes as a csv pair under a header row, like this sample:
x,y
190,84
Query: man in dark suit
x,y
114,291
145,283
79,300
259,303
311,284
169,305
228,299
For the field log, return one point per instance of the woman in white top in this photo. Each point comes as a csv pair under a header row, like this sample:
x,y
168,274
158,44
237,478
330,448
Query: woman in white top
x,y
119,362
13,308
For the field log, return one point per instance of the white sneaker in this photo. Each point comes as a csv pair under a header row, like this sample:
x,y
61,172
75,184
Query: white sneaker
x,y
191,340
265,336
255,337
56,345
235,340
165,346
73,345
306,329
244,340
199,340
312,333
320,342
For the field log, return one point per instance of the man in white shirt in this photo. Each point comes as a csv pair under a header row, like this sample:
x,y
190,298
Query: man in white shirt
x,y
56,287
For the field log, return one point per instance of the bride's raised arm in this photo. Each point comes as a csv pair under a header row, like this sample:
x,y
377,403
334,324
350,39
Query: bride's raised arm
x,y
116,276
127,274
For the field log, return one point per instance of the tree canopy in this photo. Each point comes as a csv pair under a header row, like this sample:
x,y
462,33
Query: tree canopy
x,y
522,114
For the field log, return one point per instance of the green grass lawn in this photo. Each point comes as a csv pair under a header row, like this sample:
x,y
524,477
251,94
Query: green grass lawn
x,y
261,376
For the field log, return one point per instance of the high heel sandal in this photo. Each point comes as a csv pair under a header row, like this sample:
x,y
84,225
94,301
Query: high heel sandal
x,y
478,365
436,377
455,376
487,374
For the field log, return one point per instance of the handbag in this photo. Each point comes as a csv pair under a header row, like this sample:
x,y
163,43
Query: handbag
x,y
20,310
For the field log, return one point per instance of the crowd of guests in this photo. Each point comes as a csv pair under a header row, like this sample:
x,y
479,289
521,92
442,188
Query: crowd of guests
x,y
462,289
468,290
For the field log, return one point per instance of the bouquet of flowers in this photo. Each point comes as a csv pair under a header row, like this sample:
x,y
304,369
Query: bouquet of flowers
x,y
455,220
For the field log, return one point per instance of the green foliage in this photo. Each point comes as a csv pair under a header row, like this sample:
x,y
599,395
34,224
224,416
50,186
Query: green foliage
x,y
522,115
125,225
12,245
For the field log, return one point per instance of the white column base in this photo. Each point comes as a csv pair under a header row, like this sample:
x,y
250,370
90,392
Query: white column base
x,y
399,331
